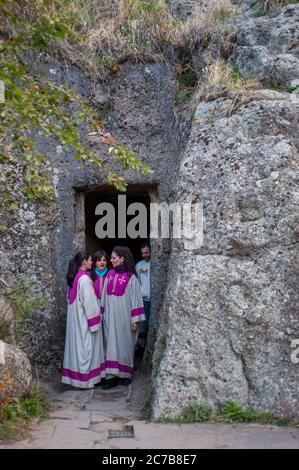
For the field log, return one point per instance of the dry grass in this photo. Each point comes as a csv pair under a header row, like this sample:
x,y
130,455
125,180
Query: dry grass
x,y
112,30
222,80
224,74
106,32
214,17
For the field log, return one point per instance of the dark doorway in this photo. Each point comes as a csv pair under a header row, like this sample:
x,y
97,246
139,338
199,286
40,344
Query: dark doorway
x,y
92,199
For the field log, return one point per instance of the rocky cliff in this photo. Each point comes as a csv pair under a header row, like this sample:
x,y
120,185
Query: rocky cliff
x,y
231,308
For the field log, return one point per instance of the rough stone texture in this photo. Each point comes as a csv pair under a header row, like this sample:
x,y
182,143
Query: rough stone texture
x,y
268,46
183,9
15,370
231,307
139,109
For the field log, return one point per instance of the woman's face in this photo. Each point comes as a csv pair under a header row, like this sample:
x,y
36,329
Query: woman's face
x,y
116,260
87,264
101,263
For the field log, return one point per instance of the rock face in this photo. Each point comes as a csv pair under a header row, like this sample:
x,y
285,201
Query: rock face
x,y
230,312
231,307
185,8
15,370
268,47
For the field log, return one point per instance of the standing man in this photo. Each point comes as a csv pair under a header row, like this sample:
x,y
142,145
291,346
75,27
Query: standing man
x,y
143,269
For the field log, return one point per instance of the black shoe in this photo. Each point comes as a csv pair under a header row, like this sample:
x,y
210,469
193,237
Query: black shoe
x,y
111,383
125,382
100,384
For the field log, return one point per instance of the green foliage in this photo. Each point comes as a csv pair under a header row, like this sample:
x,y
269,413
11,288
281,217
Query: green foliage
x,y
15,412
146,409
294,88
187,76
234,412
184,96
35,106
260,13
197,413
283,422
194,413
274,84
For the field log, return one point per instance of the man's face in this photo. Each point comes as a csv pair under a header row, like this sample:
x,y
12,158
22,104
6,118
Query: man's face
x,y
146,254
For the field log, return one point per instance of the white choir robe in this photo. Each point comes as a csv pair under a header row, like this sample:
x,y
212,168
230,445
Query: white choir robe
x,y
84,359
121,306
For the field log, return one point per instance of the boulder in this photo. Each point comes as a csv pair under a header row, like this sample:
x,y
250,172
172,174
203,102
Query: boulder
x,y
15,370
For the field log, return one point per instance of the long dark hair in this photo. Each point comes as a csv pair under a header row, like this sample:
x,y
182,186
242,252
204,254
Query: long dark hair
x,y
125,252
74,266
96,257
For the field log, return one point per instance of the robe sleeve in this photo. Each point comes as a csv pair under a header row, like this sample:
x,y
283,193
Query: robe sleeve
x,y
104,296
137,308
90,303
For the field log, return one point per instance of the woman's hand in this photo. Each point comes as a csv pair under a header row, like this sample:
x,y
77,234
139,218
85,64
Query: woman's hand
x,y
134,327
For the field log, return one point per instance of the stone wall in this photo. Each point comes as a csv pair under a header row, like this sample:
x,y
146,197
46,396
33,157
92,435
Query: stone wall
x,y
231,307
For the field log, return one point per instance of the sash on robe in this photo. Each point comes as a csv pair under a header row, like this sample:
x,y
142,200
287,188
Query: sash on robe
x,y
72,291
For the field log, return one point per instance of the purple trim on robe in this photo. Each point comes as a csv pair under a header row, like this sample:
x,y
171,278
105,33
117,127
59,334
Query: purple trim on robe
x,y
117,282
120,367
83,377
72,291
102,310
137,311
94,321
98,286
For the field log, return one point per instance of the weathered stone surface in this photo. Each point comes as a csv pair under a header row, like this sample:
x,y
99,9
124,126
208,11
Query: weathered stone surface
x,y
183,9
268,46
231,307
256,62
15,370
277,31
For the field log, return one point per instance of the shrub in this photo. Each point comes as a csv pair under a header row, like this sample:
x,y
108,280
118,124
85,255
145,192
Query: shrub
x,y
15,412
234,412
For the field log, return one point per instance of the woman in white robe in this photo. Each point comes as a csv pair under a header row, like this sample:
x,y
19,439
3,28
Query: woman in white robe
x,y
122,309
83,364
99,272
